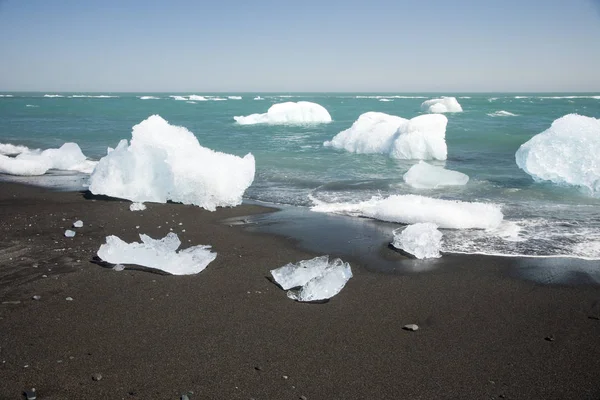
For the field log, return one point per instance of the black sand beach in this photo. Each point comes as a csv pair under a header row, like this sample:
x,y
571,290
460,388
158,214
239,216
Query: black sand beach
x,y
229,333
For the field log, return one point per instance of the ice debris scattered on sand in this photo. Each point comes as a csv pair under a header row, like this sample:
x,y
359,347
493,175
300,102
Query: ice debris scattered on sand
x,y
317,279
422,240
137,207
78,224
159,254
566,153
69,233
35,162
288,113
411,209
441,105
166,162
422,137
427,176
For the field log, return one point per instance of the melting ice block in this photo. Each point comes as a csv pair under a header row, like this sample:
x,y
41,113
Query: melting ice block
x,y
566,153
165,162
317,279
35,162
426,176
423,240
411,209
159,254
422,137
441,105
288,113
137,207
78,224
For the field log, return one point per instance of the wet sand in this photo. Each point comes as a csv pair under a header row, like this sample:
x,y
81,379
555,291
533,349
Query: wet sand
x,y
229,333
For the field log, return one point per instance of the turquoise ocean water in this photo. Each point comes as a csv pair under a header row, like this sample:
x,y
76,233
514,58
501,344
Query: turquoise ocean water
x,y
292,164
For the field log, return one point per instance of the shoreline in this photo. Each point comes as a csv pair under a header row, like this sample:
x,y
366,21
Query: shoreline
x,y
228,332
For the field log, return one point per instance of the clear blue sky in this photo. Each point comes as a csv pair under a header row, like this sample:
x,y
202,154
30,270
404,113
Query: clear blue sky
x,y
306,45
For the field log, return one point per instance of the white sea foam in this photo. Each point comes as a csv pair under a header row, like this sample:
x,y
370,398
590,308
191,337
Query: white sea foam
x,y
422,137
6,95
179,98
569,97
31,105
288,113
89,96
53,95
411,209
159,254
426,176
191,102
385,100
197,98
149,98
441,105
566,153
234,97
422,240
502,113
390,97
166,162
34,162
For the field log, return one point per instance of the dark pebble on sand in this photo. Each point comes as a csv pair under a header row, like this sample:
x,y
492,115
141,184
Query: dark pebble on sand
x,y
258,368
549,338
30,394
96,376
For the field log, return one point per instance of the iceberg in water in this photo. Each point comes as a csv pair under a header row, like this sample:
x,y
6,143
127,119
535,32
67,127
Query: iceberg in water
x,y
441,105
411,209
159,254
422,137
165,162
316,279
289,113
566,153
502,113
426,176
423,240
34,162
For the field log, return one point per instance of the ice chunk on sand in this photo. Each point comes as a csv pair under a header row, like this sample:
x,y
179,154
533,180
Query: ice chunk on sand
x,y
69,233
166,162
137,207
441,105
289,113
317,279
12,150
411,209
566,153
423,240
78,224
35,162
422,137
426,176
159,254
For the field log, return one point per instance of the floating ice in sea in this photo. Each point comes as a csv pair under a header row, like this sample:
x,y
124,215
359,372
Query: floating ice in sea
x,y
234,97
317,279
149,98
78,224
302,112
423,240
422,137
502,113
159,254
441,105
166,162
35,162
69,233
411,209
137,207
566,153
179,98
197,98
258,98
426,176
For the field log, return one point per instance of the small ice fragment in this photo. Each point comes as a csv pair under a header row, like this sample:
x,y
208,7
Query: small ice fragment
x,y
69,299
69,233
427,176
423,240
78,224
119,267
411,327
137,207
37,297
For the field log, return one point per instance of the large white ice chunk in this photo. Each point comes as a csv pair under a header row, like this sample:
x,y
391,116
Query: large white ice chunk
x,y
422,137
567,153
423,240
426,176
317,279
411,209
12,150
159,254
34,162
288,113
166,162
441,105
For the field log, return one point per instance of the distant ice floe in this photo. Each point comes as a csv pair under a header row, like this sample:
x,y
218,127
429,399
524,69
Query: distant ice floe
x,y
502,113
12,150
390,97
441,105
179,98
6,95
159,254
234,97
412,209
289,113
422,240
427,176
35,162
258,98
166,162
566,153
317,279
197,98
385,100
422,137
53,95
149,98
90,96
31,105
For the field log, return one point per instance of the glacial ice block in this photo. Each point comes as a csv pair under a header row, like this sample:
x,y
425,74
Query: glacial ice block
x,y
566,153
317,279
159,254
288,113
35,162
422,137
427,176
166,162
441,105
423,240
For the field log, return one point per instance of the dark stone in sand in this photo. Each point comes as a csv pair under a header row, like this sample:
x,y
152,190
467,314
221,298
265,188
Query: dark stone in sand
x,y
549,338
30,394
96,377
258,368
